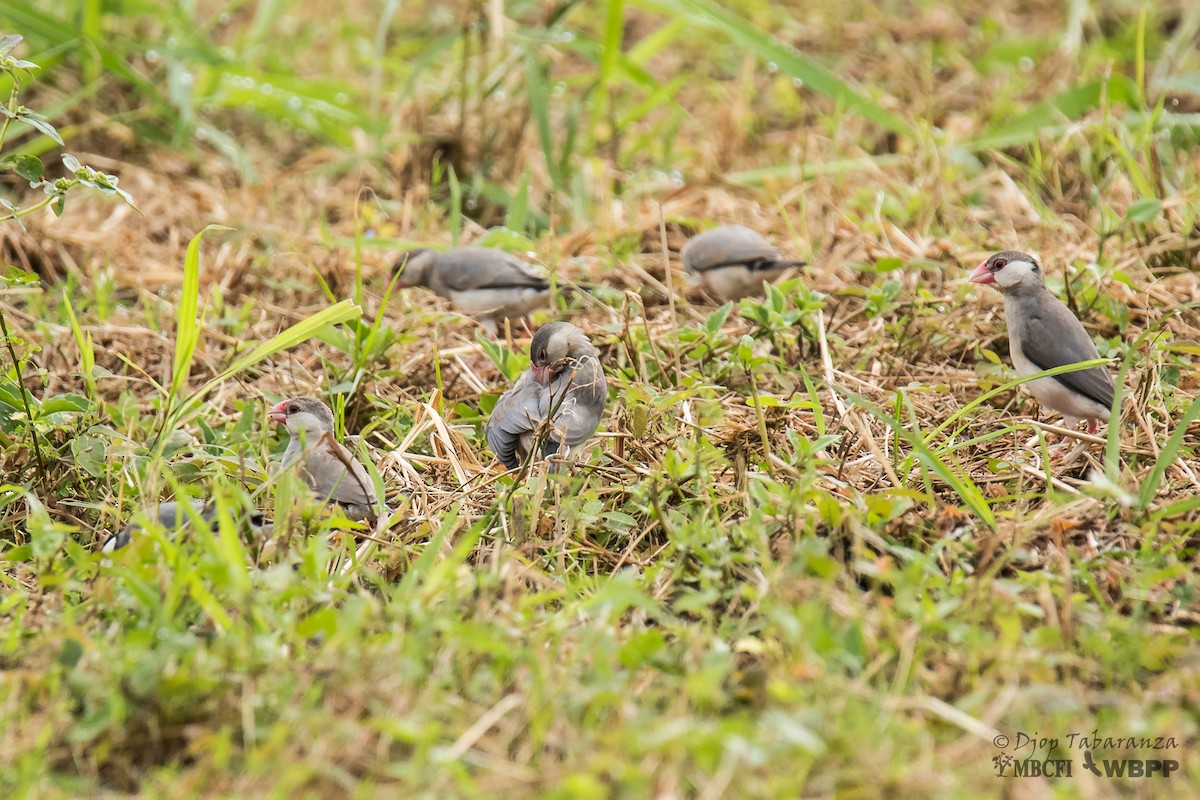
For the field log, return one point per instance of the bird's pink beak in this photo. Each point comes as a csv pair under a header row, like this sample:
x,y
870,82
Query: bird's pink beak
x,y
982,274
278,413
539,373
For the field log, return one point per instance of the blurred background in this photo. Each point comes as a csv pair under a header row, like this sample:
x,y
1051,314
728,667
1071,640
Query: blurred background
x,y
560,116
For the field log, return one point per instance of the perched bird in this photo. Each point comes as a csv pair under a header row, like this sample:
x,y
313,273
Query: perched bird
x,y
564,386
490,285
732,261
172,515
1043,334
325,465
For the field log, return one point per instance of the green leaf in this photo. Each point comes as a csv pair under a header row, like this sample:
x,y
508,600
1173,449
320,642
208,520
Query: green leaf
x,y
45,536
716,320
89,453
1144,210
64,403
27,166
38,122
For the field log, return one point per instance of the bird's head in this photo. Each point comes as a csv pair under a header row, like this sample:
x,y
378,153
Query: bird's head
x,y
552,346
411,267
306,415
1007,269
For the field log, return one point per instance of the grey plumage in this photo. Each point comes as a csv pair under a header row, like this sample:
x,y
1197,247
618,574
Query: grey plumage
x,y
323,463
490,285
732,261
564,385
172,516
1043,334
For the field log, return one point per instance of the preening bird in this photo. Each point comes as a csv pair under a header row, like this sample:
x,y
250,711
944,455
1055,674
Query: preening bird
x,y
172,515
732,261
326,466
490,285
1043,334
564,386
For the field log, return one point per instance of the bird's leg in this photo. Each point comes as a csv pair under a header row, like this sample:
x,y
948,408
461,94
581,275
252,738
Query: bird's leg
x,y
1093,425
1062,451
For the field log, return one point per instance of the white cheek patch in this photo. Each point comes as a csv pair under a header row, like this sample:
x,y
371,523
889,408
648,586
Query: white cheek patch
x,y
1015,272
304,421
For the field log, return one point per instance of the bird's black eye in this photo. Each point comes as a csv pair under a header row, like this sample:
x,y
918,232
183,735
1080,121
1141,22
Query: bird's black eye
x,y
293,408
998,264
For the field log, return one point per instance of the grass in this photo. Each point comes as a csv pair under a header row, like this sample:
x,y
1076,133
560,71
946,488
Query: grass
x,y
813,552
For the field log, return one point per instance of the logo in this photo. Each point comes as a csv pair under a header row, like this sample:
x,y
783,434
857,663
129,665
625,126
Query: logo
x,y
1035,756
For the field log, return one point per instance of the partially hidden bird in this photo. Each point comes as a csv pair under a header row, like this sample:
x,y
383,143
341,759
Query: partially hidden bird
x,y
732,261
490,285
556,405
172,516
324,464
1043,334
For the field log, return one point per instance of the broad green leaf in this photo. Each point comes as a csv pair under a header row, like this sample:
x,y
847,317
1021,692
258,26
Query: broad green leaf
x,y
1144,210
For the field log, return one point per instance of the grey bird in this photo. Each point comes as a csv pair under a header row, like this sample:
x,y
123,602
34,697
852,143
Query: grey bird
x,y
490,285
1043,334
172,516
325,465
558,401
732,261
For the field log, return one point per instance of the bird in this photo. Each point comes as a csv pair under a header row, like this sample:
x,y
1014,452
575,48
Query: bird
x,y
172,515
325,465
732,261
1043,334
564,386
490,285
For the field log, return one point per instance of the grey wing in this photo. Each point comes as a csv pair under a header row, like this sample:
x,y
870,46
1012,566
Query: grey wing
x,y
517,413
467,268
330,479
578,415
170,515
728,246
1051,337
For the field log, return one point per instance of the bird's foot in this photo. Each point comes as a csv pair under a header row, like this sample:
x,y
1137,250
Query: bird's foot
x,y
1064,453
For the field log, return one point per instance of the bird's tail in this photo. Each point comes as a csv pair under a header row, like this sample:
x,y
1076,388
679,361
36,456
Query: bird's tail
x,y
760,266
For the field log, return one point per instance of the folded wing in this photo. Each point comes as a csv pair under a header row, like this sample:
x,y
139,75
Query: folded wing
x,y
1069,344
515,417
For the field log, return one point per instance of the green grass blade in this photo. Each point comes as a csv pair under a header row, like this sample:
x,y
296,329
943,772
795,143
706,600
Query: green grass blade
x,y
1169,452
1112,447
789,61
189,321
610,54
300,332
456,207
962,485
538,85
87,353
983,398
